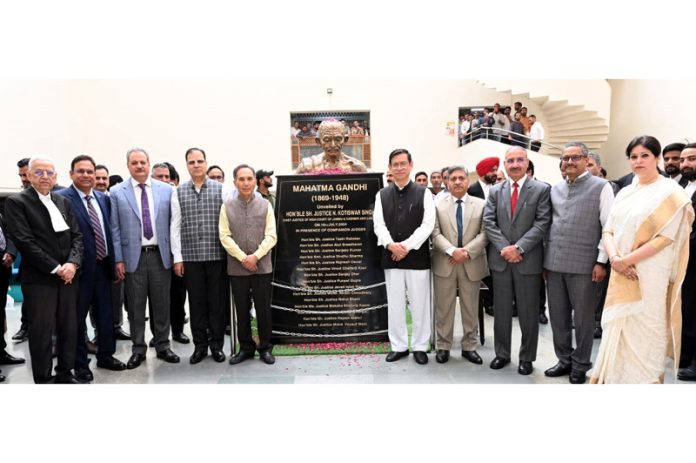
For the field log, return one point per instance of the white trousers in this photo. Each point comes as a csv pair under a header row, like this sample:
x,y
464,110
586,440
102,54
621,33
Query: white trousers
x,y
417,283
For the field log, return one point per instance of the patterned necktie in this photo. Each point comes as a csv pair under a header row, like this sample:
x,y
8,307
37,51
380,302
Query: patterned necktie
x,y
97,228
145,206
460,224
3,242
513,199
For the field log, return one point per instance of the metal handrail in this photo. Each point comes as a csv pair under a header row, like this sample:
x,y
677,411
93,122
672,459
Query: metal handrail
x,y
478,134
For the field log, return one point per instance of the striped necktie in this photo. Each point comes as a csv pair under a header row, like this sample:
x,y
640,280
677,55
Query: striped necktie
x,y
97,228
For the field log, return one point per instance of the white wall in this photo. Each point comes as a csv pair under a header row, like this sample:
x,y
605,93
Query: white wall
x,y
662,108
233,120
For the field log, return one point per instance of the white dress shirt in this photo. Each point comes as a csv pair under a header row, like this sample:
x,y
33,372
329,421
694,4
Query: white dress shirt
x,y
690,188
449,251
419,236
486,189
536,132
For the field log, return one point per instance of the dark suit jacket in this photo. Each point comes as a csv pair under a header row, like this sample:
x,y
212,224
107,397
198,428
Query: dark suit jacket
x,y
89,257
29,226
527,228
10,248
476,190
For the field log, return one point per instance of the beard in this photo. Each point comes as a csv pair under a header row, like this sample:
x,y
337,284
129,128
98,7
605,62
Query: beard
x,y
689,174
672,170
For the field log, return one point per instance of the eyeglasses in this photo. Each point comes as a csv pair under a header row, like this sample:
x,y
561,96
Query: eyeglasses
x,y
42,172
515,160
574,158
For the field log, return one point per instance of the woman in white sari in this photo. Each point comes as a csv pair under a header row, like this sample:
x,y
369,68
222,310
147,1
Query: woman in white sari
x,y
647,240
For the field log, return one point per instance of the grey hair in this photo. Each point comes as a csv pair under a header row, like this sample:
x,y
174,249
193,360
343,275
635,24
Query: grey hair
x,y
515,148
34,159
136,150
596,157
457,167
579,144
160,165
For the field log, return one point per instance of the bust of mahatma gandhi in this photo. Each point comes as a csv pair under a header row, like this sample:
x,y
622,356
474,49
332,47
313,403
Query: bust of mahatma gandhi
x,y
331,139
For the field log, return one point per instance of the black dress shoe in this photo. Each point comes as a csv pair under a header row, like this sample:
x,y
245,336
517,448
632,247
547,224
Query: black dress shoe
x,y
598,332
168,356
472,356
198,355
135,360
267,358
542,318
21,335
687,374
394,356
558,370
151,343
442,356
111,363
84,375
525,368
7,359
499,363
218,355
488,310
420,356
66,379
181,338
577,377
241,356
121,335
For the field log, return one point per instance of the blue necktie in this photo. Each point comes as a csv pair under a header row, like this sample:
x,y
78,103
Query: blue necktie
x,y
460,225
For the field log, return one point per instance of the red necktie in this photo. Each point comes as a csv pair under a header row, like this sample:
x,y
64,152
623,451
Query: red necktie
x,y
513,199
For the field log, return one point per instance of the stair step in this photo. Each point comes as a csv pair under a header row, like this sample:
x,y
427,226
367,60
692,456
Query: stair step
x,y
594,123
579,132
570,118
587,138
564,111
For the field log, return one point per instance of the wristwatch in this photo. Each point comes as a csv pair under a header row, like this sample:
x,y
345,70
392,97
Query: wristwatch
x,y
519,249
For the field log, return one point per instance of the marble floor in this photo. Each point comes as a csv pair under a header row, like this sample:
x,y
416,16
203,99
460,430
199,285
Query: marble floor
x,y
311,369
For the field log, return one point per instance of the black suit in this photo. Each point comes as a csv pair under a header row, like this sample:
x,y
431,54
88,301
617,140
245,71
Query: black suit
x,y
476,190
688,347
50,303
5,274
95,277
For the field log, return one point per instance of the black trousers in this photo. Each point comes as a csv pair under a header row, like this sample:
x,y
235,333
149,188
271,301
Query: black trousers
x,y
206,283
688,347
95,292
5,274
177,296
535,145
260,288
51,308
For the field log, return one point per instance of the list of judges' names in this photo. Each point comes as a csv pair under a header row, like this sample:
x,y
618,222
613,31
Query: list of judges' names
x,y
330,238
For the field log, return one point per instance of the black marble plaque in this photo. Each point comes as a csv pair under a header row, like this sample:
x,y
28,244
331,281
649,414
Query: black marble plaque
x,y
328,285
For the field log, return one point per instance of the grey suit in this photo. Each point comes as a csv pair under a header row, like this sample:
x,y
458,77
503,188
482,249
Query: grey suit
x,y
518,281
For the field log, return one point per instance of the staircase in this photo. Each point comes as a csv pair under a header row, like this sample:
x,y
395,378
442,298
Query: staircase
x,y
570,110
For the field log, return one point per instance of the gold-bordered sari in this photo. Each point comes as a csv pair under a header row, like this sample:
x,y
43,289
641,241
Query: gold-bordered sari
x,y
641,321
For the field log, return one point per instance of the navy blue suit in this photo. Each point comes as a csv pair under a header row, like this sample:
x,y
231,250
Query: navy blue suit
x,y
95,278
